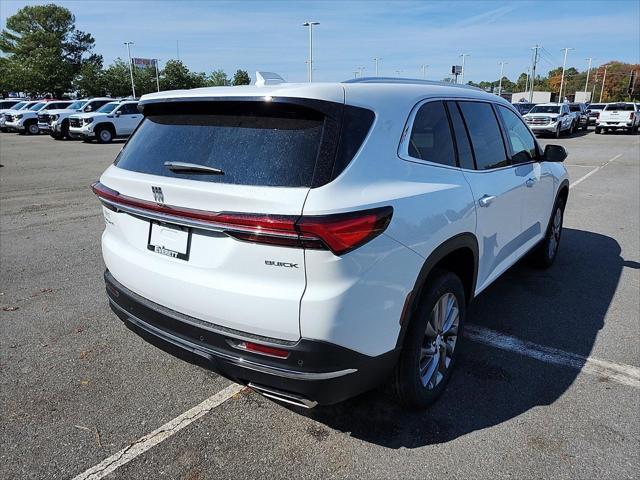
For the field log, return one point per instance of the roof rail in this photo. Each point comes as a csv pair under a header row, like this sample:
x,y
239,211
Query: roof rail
x,y
408,81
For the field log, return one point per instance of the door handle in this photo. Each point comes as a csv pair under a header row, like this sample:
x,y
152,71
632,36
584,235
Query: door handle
x,y
530,182
486,200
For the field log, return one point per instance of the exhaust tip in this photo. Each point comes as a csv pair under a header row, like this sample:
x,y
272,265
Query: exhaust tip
x,y
286,397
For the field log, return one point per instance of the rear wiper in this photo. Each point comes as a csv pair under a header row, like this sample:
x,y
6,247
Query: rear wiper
x,y
192,167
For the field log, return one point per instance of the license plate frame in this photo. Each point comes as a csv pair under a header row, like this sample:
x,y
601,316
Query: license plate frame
x,y
163,249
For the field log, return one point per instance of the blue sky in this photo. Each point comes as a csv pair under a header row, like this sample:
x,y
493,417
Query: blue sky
x,y
262,35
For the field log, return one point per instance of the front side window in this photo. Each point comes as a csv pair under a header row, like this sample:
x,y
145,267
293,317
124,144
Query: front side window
x,y
37,106
523,146
485,134
430,138
107,108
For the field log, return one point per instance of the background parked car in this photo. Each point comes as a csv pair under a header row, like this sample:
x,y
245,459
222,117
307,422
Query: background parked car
x,y
26,121
582,117
59,119
8,114
622,115
114,119
523,107
594,110
551,118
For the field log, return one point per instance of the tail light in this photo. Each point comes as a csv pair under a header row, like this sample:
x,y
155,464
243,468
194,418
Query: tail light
x,y
597,115
631,116
261,349
339,233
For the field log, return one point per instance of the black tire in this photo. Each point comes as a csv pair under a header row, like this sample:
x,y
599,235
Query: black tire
x,y
31,128
546,252
586,127
104,134
64,130
408,385
558,132
598,130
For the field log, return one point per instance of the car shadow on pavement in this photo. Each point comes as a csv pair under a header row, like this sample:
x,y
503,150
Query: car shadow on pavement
x,y
563,307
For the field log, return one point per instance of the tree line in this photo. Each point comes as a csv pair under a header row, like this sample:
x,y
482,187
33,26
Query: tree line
x,y
618,84
45,54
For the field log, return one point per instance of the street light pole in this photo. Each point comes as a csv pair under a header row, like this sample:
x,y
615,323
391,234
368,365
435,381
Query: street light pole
x,y
310,24
157,74
463,55
502,64
564,64
133,86
424,70
376,60
586,85
604,79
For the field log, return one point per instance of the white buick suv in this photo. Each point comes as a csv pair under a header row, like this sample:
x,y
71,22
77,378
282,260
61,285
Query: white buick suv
x,y
315,240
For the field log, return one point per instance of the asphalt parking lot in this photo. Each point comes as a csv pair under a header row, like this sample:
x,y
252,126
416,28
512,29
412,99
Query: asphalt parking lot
x,y
548,384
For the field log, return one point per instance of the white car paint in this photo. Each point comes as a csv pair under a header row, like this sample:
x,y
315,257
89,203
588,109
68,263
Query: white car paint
x,y
123,120
354,300
613,117
550,123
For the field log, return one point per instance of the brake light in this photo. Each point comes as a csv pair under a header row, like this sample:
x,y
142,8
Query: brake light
x,y
339,233
631,116
597,115
263,349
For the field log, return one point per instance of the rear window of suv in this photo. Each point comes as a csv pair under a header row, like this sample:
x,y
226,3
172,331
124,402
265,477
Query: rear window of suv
x,y
253,143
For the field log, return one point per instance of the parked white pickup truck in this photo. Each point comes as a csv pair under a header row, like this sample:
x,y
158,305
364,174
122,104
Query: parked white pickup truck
x,y
624,115
114,119
551,118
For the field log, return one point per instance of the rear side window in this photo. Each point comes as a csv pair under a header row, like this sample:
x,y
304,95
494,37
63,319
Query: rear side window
x,y
465,154
430,138
253,143
129,109
523,146
485,134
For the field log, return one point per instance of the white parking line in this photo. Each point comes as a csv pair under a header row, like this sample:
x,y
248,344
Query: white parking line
x,y
152,439
574,184
617,372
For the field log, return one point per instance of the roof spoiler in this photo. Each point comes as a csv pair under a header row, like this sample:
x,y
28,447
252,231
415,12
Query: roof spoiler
x,y
268,78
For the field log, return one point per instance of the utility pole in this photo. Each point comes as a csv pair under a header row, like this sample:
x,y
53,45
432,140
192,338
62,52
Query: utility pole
x,y
355,73
178,49
376,60
133,86
361,71
310,24
564,64
502,64
586,85
533,72
424,70
157,74
526,85
604,79
463,55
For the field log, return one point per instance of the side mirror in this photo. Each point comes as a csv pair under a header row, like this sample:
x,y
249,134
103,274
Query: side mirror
x,y
555,153
88,109
117,113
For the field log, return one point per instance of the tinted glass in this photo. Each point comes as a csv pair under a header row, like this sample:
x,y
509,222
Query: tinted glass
x,y
619,107
271,145
18,106
95,105
129,109
596,106
430,138
77,105
522,143
7,104
465,153
545,109
575,108
107,108
37,106
484,131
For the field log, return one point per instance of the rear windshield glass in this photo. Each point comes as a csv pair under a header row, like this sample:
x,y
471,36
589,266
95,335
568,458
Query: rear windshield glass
x,y
252,144
574,108
545,109
596,106
620,107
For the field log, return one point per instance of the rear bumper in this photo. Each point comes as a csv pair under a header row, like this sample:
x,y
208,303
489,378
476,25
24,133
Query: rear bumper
x,y
314,372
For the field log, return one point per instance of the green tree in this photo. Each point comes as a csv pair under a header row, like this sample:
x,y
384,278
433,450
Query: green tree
x,y
241,77
44,50
218,79
90,81
175,76
117,81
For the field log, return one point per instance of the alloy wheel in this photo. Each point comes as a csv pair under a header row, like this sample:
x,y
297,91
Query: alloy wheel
x,y
439,341
556,230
